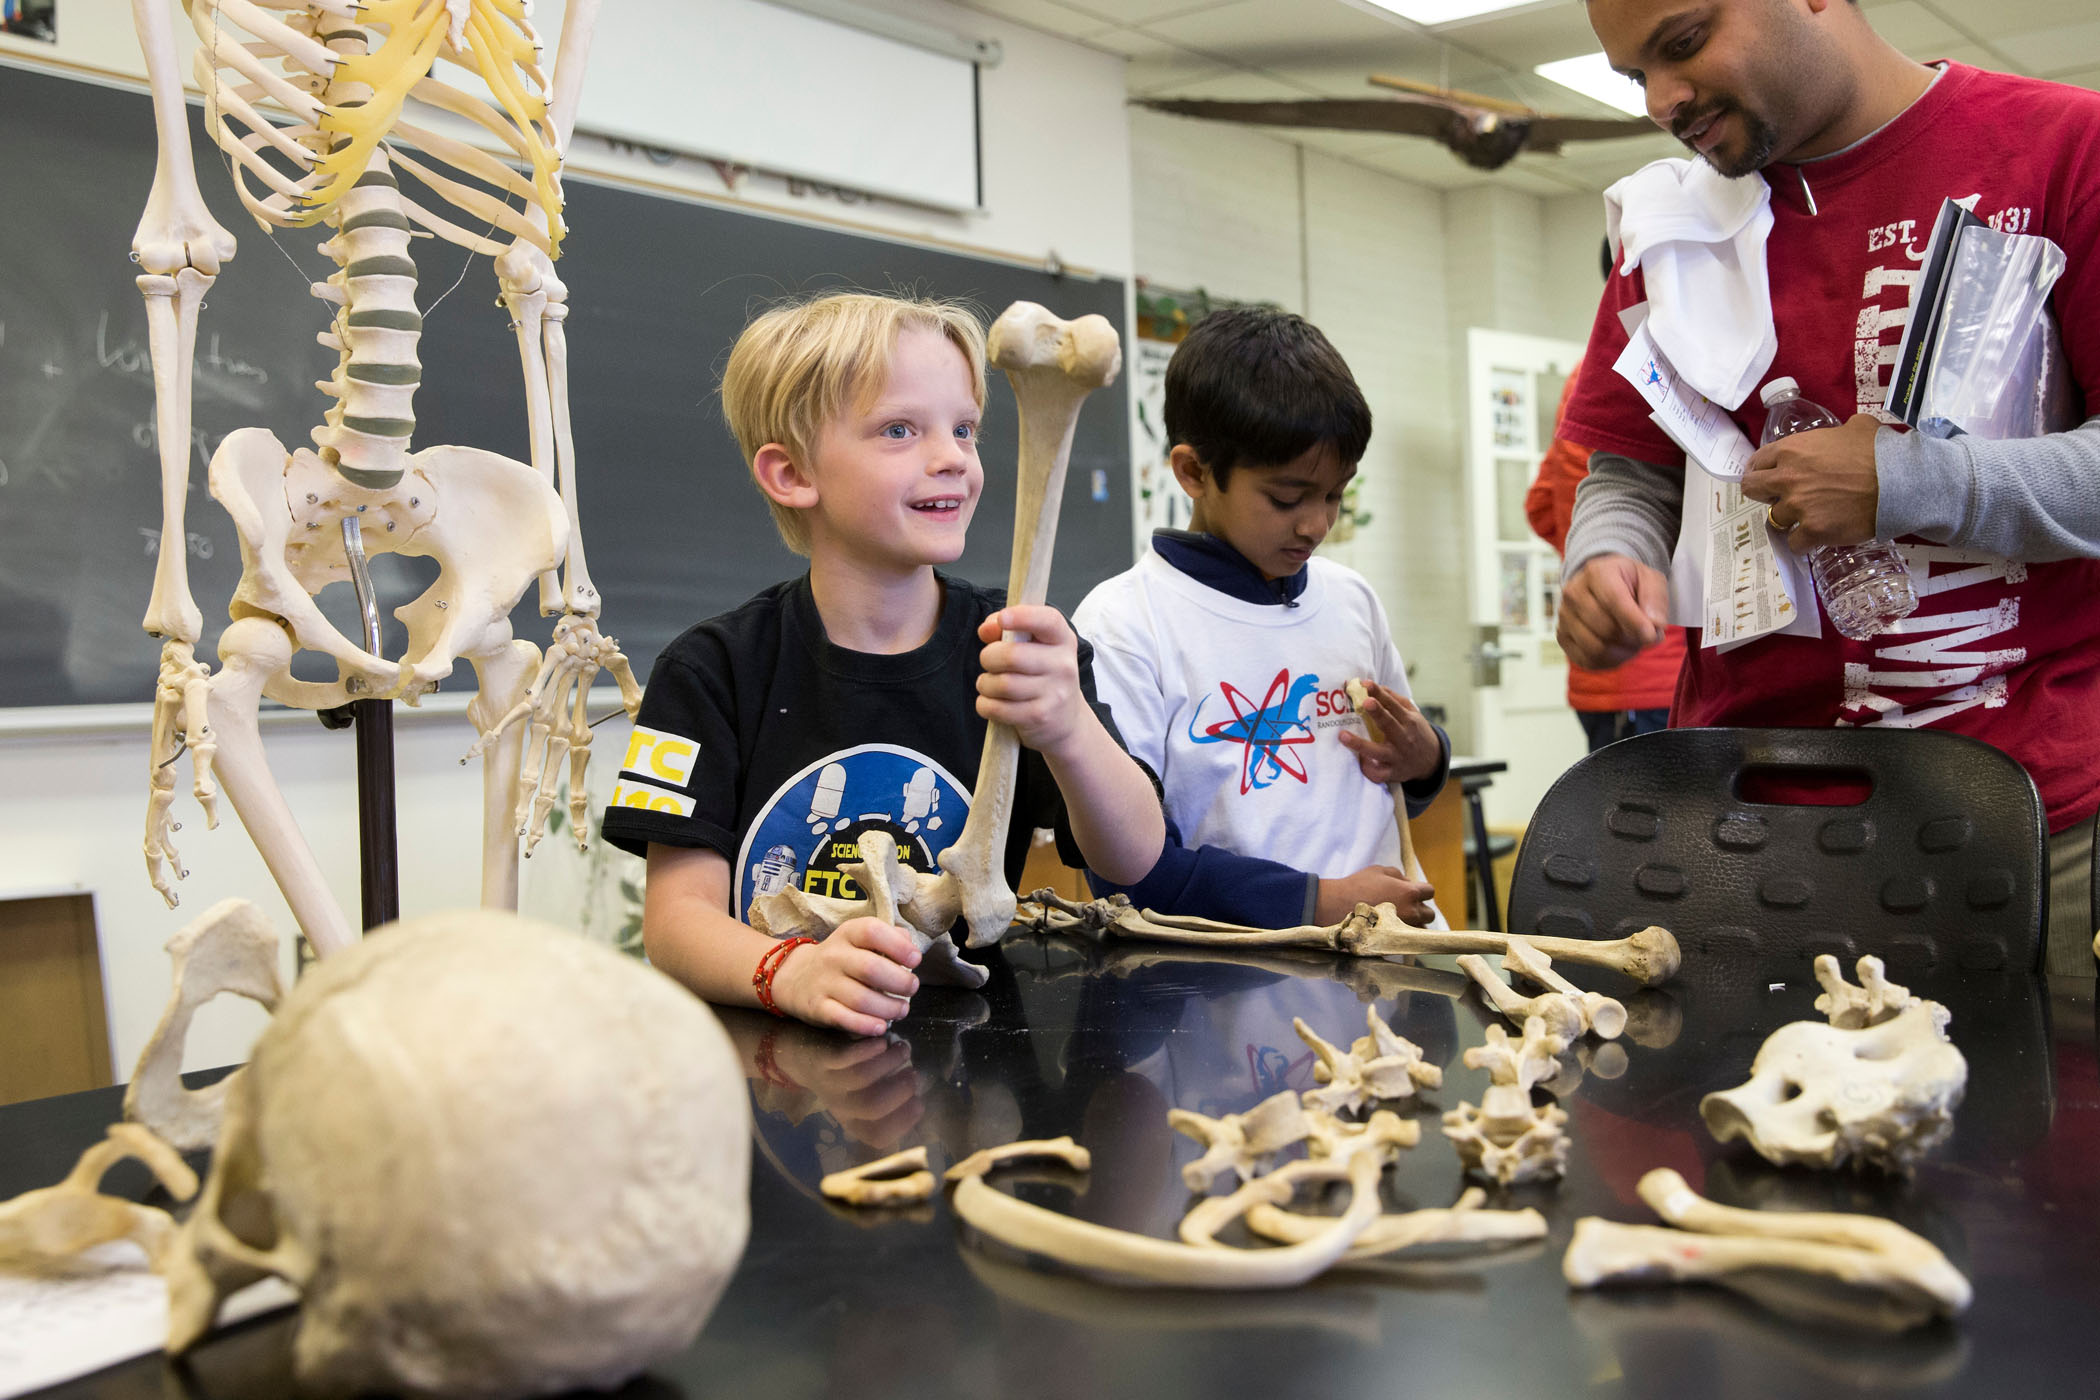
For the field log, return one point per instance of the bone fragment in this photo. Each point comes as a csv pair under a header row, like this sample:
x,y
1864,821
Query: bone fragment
x,y
1601,1015
1239,1142
1053,365
1118,1256
1384,1133
1563,1016
900,1179
1852,1008
1821,1096
1410,863
1062,1149
1505,1137
231,947
1379,1067
1649,957
1726,1245
54,1223
1464,1222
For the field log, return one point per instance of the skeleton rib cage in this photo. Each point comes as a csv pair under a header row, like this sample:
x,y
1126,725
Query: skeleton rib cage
x,y
355,79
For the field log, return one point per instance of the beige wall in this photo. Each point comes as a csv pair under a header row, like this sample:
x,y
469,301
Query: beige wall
x,y
1395,273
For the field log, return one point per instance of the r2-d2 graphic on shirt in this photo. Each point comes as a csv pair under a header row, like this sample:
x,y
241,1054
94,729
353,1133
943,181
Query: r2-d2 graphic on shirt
x,y
811,826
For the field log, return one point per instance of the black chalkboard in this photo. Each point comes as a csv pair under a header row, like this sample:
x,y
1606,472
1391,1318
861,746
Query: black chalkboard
x,y
659,287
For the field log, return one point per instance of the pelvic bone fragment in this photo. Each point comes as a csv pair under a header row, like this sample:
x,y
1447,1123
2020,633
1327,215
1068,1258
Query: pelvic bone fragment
x,y
231,948
1505,1138
1379,1067
1649,957
1743,1248
56,1222
1819,1095
496,1160
900,1179
1053,365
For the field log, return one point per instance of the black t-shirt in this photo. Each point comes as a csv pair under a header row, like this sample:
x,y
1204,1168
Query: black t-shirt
x,y
761,739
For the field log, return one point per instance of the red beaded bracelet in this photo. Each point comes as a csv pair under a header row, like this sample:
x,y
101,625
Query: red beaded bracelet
x,y
762,979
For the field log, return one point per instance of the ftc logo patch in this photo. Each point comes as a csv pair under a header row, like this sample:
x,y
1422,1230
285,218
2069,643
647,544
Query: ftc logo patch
x,y
650,799
660,756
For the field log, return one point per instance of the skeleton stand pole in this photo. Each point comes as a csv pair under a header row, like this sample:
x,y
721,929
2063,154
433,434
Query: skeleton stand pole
x,y
379,879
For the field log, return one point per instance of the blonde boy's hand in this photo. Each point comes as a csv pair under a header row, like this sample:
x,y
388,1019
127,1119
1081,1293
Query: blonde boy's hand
x,y
858,980
1408,747
1032,684
1374,884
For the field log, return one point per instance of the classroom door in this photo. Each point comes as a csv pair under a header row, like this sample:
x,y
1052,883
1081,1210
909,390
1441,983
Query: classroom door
x,y
1520,675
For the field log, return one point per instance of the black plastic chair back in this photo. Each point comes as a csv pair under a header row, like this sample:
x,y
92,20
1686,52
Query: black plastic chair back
x,y
1944,864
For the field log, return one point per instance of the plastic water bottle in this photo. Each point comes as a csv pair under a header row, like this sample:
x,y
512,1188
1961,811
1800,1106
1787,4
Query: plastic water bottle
x,y
1866,588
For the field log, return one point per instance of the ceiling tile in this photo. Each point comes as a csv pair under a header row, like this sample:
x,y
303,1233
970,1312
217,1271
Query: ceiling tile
x,y
1265,32
2068,49
1047,15
1912,28
1167,72
1988,18
1525,38
2090,78
1244,85
1977,57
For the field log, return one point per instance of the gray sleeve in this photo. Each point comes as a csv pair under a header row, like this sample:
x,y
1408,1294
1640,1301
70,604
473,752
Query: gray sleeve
x,y
1628,507
2029,499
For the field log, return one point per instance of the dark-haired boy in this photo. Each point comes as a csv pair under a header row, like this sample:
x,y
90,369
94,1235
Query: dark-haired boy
x,y
1225,654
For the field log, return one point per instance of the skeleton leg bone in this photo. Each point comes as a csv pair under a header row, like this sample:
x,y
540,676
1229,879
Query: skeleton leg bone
x,y
251,651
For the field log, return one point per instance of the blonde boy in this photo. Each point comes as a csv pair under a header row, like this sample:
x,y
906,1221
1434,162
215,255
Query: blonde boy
x,y
855,697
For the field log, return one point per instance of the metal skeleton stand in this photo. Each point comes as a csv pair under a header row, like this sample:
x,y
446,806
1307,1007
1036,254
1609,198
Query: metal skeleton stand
x,y
379,882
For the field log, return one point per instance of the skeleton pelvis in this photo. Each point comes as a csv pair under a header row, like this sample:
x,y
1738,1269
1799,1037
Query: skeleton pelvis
x,y
493,524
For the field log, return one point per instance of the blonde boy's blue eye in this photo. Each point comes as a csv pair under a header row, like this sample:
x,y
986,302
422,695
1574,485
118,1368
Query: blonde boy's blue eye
x,y
966,431
896,431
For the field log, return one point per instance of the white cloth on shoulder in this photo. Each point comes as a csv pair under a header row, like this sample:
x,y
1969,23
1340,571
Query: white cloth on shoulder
x,y
1699,240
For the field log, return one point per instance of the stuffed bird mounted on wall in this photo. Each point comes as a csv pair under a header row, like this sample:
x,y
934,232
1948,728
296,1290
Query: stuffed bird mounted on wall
x,y
1484,132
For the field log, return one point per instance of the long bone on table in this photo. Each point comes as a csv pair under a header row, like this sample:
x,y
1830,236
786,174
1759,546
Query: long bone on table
x,y
1053,365
1648,957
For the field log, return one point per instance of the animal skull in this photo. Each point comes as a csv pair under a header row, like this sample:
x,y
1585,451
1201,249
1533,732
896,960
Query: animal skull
x,y
496,1160
1824,1095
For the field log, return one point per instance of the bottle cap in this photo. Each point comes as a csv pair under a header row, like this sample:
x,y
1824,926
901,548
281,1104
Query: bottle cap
x,y
1778,389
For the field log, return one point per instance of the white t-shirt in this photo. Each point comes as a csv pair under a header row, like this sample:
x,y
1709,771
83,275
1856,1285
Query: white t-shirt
x,y
1237,706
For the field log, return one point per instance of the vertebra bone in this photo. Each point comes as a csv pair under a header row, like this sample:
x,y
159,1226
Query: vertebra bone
x,y
1378,1068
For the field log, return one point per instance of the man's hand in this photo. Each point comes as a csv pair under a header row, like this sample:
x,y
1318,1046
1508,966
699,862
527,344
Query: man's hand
x,y
1374,884
1032,683
1819,486
859,979
1613,608
1406,747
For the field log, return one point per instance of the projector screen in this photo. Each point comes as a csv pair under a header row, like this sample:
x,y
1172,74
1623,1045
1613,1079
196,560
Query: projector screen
x,y
783,91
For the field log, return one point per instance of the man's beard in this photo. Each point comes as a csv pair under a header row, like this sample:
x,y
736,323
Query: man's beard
x,y
1760,140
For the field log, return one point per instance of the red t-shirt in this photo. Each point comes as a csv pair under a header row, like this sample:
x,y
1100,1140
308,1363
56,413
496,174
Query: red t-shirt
x,y
2008,653
1649,680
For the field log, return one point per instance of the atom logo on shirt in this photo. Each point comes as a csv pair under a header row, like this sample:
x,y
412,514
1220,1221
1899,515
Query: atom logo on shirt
x,y
1264,732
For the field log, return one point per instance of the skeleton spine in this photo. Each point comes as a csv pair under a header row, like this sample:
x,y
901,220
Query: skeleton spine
x,y
377,326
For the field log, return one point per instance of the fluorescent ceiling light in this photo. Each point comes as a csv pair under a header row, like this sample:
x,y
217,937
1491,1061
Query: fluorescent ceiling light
x,y
1428,12
1592,76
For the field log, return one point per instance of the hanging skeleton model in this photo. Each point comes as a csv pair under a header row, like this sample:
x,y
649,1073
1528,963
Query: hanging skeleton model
x,y
346,71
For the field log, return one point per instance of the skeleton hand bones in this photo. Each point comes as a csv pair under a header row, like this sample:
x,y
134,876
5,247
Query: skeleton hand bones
x,y
557,724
